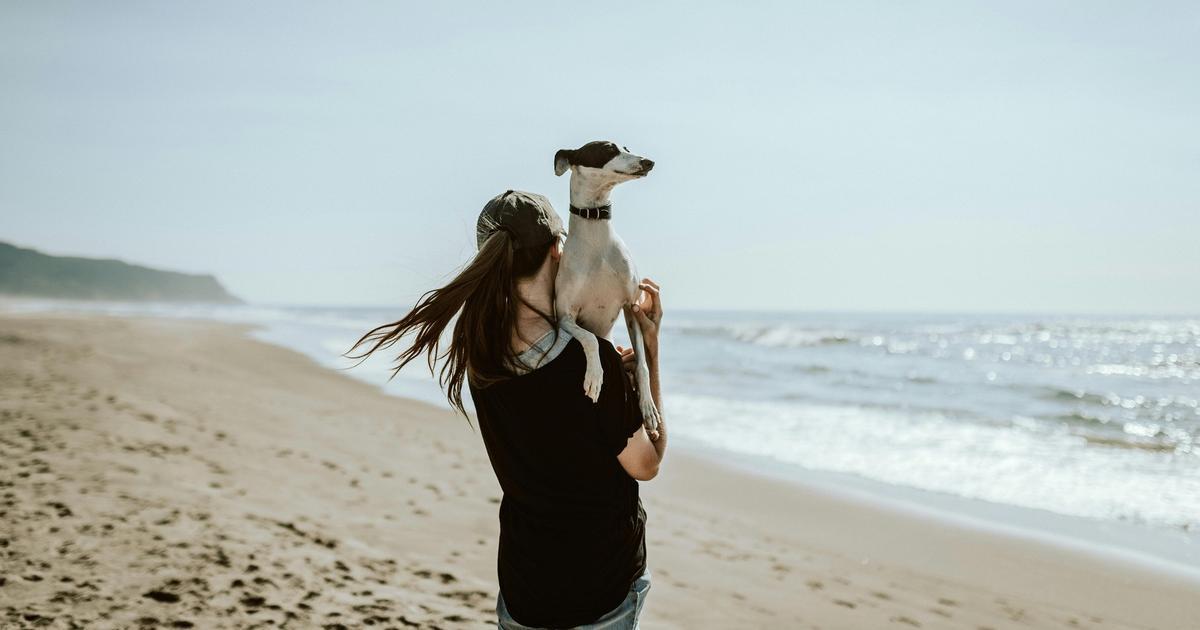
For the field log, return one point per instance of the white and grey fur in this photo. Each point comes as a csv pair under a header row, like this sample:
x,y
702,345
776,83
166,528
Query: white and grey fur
x,y
596,276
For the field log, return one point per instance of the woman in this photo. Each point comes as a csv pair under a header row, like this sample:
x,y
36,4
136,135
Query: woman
x,y
572,547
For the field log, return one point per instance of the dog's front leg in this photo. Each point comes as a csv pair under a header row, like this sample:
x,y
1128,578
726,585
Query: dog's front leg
x,y
593,376
642,371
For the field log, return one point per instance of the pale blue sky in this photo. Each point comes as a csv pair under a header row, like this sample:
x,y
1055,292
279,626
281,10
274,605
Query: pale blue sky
x,y
950,156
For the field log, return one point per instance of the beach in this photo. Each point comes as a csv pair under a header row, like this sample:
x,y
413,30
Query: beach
x,y
169,472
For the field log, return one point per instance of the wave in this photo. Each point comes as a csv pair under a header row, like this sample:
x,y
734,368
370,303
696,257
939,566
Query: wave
x,y
1143,445
1048,392
1093,476
774,336
1087,419
812,369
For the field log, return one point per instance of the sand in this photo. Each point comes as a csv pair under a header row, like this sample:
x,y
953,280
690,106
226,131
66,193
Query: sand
x,y
178,474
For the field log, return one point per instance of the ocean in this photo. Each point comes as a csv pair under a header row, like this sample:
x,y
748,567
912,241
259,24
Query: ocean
x,y
1090,417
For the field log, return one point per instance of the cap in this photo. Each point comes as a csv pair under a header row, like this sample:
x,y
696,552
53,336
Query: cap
x,y
528,217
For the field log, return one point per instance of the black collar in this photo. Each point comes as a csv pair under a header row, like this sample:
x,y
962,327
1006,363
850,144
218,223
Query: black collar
x,y
603,212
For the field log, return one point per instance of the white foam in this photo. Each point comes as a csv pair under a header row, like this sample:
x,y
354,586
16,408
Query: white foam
x,y
1016,464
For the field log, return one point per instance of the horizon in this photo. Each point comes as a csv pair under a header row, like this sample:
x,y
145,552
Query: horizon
x,y
714,309
872,158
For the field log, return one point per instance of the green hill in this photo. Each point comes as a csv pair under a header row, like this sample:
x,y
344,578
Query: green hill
x,y
29,272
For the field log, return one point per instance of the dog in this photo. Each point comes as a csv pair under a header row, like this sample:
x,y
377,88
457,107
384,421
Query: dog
x,y
596,276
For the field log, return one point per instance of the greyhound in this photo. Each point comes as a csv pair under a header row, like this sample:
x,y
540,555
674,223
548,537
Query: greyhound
x,y
596,276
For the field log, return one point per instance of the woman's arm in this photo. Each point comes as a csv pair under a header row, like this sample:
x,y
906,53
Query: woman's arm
x,y
644,451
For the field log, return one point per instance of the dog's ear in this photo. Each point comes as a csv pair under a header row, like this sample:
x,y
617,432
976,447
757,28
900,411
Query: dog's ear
x,y
562,161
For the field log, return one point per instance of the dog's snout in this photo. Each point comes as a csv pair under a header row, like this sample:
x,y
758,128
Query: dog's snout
x,y
647,164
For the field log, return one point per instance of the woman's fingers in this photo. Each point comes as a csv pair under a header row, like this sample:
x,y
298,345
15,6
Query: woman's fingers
x,y
643,318
650,294
628,360
653,293
648,307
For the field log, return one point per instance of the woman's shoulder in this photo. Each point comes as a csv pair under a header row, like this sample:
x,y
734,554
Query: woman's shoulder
x,y
571,357
608,352
610,360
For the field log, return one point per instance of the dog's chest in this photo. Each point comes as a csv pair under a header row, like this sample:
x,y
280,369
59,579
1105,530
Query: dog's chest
x,y
597,284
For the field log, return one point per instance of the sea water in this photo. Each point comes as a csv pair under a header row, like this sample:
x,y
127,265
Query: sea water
x,y
1095,417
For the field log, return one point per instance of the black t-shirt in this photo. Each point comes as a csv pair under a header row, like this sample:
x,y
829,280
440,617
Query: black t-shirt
x,y
572,527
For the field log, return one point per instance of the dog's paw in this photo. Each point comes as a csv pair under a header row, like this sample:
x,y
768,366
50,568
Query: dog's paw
x,y
649,413
593,379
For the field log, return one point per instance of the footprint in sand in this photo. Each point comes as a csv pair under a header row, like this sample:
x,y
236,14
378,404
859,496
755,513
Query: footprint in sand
x,y
165,597
253,601
469,597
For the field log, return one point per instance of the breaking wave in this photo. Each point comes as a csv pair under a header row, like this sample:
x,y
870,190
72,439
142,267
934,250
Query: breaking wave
x,y
775,336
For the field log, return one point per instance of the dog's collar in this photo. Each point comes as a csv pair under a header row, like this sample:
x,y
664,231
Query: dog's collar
x,y
602,212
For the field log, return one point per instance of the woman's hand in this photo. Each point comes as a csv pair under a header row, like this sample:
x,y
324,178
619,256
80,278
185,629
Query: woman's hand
x,y
628,361
648,311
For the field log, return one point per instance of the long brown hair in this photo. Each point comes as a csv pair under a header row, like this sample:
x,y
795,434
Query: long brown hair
x,y
480,348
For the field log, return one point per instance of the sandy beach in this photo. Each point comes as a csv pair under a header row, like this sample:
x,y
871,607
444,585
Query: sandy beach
x,y
178,474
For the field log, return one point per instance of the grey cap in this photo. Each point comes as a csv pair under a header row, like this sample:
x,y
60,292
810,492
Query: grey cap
x,y
528,218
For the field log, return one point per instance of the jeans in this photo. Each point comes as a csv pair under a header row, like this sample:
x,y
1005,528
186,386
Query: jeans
x,y
623,617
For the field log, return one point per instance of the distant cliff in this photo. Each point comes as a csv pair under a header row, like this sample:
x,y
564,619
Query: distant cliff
x,y
32,273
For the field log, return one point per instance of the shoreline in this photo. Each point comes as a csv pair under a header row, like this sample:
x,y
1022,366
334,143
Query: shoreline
x,y
728,547
1174,552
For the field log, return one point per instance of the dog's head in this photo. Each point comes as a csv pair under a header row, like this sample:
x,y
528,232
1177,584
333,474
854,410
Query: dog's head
x,y
602,160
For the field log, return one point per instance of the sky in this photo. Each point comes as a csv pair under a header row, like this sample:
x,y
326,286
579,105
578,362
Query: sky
x,y
836,156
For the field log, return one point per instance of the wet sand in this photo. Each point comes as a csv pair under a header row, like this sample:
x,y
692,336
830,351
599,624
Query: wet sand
x,y
177,474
